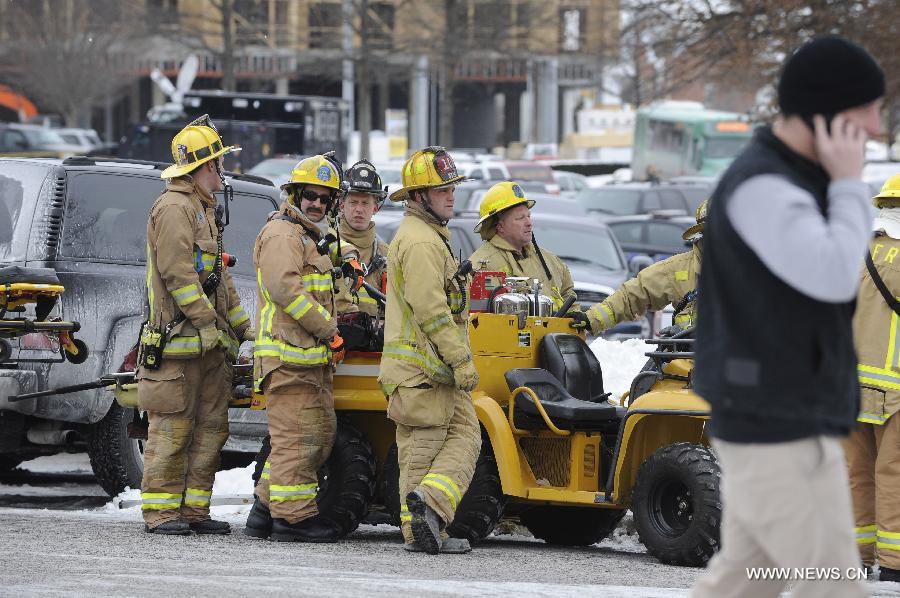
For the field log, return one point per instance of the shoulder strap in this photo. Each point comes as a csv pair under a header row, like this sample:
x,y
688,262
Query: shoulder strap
x,y
879,284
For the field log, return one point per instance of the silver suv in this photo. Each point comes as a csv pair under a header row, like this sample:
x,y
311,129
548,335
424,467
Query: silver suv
x,y
87,219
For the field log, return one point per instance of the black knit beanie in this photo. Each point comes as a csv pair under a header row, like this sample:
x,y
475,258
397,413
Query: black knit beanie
x,y
828,75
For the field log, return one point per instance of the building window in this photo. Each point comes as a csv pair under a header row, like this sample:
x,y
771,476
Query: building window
x,y
251,18
379,26
571,22
491,23
324,24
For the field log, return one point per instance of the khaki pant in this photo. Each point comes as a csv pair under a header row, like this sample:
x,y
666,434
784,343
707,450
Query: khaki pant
x,y
187,406
787,505
873,461
438,441
302,424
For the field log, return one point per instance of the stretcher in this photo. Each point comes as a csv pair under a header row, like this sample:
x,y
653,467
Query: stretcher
x,y
38,287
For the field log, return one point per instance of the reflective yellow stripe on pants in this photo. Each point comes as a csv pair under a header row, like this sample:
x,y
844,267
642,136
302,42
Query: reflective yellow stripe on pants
x,y
196,497
160,500
445,485
888,540
288,493
866,534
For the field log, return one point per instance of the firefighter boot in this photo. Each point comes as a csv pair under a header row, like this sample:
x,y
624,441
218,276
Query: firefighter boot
x,y
311,529
169,528
210,526
426,523
259,521
448,546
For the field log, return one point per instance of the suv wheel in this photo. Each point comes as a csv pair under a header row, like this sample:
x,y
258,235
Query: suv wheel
x,y
117,460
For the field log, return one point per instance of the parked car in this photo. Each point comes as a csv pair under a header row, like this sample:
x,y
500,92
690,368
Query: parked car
x,y
626,199
520,171
33,141
277,170
469,196
570,183
87,220
656,235
586,246
85,139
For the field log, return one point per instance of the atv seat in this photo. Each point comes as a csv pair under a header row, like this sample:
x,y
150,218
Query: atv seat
x,y
565,411
572,362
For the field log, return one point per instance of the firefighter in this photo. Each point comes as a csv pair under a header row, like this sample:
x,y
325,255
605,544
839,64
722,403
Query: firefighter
x,y
873,448
510,246
292,358
673,280
365,195
190,339
427,368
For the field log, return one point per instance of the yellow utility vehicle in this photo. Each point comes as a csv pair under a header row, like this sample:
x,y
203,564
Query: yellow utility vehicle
x,y
559,455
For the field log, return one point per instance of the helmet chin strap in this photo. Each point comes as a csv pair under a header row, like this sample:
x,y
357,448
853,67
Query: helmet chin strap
x,y
227,192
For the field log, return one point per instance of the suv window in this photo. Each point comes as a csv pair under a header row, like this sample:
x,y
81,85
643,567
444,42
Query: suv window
x,y
651,202
672,200
106,219
664,234
628,233
496,174
106,216
20,186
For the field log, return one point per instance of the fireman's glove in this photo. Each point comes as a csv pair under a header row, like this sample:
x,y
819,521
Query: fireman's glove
x,y
209,338
465,376
352,270
249,334
337,349
580,321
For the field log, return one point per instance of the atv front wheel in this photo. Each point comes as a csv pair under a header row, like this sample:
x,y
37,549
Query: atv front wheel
x,y
571,526
676,504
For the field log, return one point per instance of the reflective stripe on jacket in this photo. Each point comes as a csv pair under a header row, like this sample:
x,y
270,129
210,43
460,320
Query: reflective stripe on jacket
x,y
181,253
422,337
294,294
876,333
668,281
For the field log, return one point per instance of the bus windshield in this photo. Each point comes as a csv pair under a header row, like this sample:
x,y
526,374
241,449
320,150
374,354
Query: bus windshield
x,y
718,148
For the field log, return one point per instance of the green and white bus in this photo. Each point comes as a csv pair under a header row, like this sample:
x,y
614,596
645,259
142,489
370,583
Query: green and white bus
x,y
684,138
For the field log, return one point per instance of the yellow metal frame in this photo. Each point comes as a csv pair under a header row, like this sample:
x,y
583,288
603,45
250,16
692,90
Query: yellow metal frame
x,y
17,294
541,410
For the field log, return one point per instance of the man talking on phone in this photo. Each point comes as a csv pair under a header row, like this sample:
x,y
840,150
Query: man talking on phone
x,y
786,234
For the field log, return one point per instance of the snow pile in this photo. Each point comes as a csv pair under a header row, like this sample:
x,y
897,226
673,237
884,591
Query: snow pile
x,y
624,538
229,483
620,361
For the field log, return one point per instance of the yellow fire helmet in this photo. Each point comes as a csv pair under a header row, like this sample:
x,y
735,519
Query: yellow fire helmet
x,y
197,143
315,170
499,198
889,197
427,169
700,215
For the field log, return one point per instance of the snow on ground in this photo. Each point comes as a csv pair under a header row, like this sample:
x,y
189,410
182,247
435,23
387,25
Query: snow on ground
x,y
61,463
620,361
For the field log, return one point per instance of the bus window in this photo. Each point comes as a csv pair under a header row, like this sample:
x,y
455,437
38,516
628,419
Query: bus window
x,y
724,147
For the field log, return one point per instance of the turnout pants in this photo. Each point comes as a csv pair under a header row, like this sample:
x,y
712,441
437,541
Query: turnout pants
x,y
302,424
786,505
438,441
187,405
873,461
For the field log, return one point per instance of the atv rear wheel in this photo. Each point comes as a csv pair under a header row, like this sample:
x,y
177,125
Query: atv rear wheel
x,y
481,507
571,526
117,460
390,485
346,481
676,504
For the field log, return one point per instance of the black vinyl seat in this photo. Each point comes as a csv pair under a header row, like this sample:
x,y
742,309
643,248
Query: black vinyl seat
x,y
565,411
572,362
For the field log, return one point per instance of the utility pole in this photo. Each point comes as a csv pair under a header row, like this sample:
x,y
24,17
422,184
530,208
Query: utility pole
x,y
347,83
